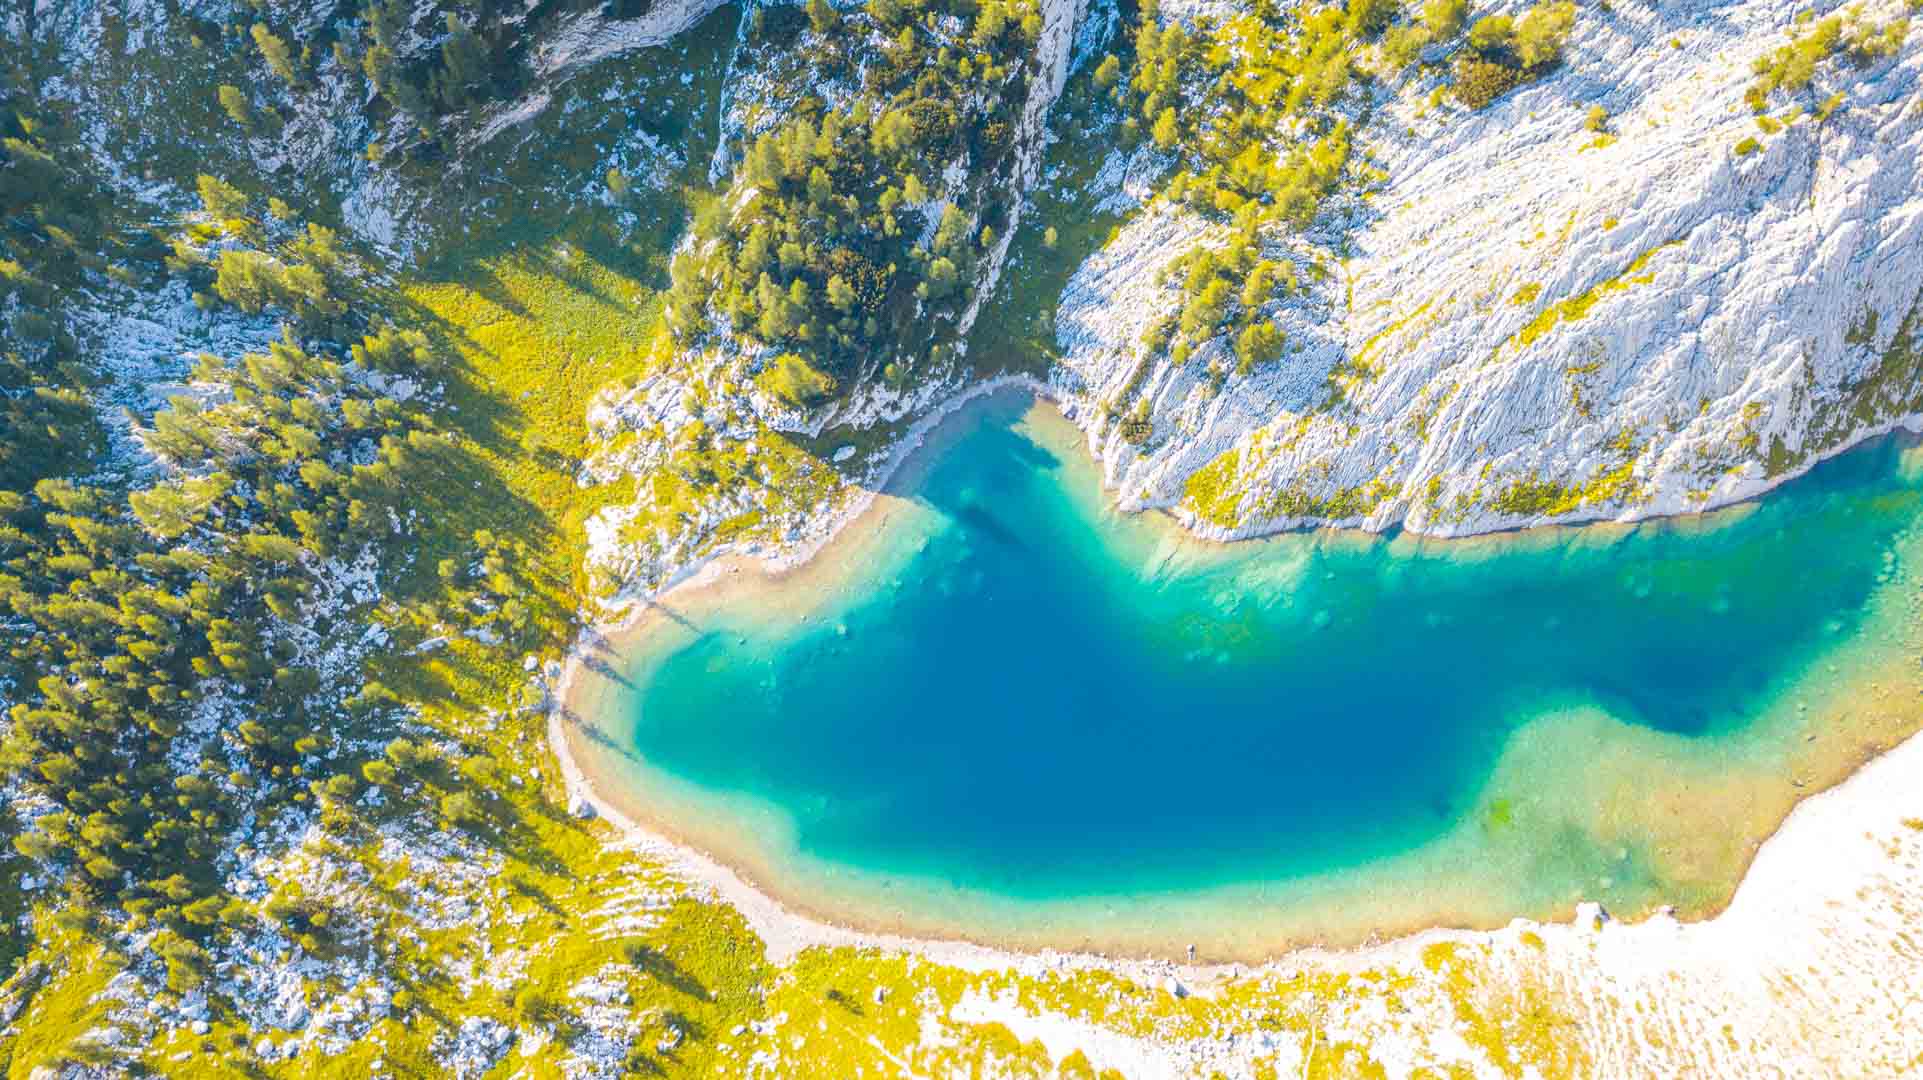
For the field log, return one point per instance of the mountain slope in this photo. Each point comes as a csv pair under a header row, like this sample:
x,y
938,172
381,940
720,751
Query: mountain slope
x,y
1535,320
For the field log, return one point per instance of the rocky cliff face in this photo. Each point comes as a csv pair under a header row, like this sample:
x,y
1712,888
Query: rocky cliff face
x,y
1531,320
1619,291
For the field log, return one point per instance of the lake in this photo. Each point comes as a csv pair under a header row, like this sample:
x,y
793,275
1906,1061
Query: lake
x,y
998,709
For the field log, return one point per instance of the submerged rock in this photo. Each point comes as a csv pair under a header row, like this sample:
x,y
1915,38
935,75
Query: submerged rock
x,y
1591,916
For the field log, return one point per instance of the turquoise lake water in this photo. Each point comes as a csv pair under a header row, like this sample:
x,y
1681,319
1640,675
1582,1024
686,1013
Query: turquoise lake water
x,y
1016,695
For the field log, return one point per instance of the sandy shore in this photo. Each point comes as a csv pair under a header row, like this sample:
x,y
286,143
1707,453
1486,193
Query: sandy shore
x,y
1810,871
785,928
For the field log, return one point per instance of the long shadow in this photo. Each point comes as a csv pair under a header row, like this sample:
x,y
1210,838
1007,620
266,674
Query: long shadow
x,y
484,417
499,821
682,620
540,897
641,1064
984,522
691,1032
847,1003
572,271
606,671
413,981
486,282
656,965
595,735
502,823
652,271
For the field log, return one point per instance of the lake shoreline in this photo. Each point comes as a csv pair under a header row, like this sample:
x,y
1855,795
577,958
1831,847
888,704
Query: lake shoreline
x,y
1785,872
790,922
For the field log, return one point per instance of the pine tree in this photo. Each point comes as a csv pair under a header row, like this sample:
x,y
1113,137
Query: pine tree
x,y
840,294
1542,32
942,276
220,199
1164,132
464,63
235,102
279,58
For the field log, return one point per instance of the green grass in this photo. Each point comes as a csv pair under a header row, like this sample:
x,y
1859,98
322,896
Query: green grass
x,y
1533,496
537,333
534,306
539,304
1576,308
534,310
1210,491
63,1005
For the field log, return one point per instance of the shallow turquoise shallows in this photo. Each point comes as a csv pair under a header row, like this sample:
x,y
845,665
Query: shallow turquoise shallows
x,y
1021,695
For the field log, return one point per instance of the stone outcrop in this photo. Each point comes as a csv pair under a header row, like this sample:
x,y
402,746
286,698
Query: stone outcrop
x,y
1538,321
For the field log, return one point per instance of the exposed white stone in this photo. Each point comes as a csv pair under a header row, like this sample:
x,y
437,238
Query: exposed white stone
x,y
1732,295
590,36
475,1048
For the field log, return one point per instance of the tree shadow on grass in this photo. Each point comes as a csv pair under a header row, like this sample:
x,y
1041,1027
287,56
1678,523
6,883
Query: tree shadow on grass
x,y
478,266
847,1003
469,495
690,1030
656,965
541,897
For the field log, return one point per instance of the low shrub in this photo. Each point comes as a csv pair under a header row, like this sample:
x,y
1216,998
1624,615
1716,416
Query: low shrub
x,y
1480,82
794,381
1504,53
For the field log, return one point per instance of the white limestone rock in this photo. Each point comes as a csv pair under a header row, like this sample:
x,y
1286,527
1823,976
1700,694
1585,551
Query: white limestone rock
x,y
1731,311
473,1051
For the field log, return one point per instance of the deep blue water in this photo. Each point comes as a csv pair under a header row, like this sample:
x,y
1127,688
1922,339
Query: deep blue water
x,y
1038,704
